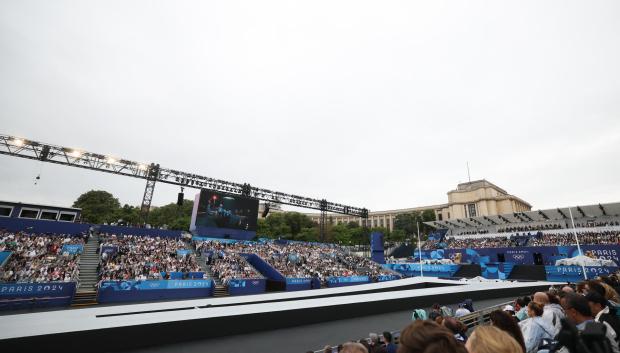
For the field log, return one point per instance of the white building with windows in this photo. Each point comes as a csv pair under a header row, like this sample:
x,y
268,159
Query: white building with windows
x,y
468,200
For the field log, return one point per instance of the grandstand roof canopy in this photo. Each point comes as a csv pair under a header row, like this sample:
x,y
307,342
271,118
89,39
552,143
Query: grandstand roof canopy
x,y
550,215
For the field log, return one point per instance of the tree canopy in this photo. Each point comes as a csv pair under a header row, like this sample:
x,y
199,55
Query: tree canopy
x,y
98,206
102,207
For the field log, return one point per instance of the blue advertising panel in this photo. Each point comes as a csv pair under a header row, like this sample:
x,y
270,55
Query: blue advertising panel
x,y
293,284
575,273
72,249
136,290
347,281
385,278
4,256
109,249
411,269
183,252
523,255
15,296
246,286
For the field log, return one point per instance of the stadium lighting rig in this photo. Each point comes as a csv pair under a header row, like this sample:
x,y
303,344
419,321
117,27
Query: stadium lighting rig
x,y
153,173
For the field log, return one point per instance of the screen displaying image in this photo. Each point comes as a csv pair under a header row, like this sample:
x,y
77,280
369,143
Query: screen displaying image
x,y
226,211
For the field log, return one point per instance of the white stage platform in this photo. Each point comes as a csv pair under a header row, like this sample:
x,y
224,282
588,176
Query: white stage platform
x,y
169,322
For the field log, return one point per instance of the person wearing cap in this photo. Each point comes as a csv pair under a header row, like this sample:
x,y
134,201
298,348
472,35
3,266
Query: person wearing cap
x,y
461,311
509,309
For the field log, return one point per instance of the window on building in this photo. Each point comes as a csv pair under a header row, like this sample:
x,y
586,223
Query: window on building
x,y
5,211
67,217
29,213
471,208
440,216
381,222
49,215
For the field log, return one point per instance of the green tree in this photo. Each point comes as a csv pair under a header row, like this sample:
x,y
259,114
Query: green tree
x,y
128,215
171,215
98,206
407,222
341,234
309,234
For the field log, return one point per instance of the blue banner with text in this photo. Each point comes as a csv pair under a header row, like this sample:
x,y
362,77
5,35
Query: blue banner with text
x,y
136,290
246,286
15,296
411,269
575,273
72,249
347,281
294,284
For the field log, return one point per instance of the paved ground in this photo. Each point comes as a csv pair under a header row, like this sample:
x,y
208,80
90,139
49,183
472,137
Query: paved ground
x,y
302,338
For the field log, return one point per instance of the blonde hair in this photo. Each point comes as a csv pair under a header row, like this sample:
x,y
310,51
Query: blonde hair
x,y
490,339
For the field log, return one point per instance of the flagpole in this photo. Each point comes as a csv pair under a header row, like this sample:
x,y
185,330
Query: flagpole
x,y
583,267
420,249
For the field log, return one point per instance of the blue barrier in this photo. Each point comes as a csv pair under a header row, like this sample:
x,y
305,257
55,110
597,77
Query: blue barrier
x,y
295,284
39,226
181,275
385,278
575,273
523,255
346,281
183,252
376,246
220,240
411,269
14,296
72,249
136,290
264,268
151,232
244,286
110,249
4,256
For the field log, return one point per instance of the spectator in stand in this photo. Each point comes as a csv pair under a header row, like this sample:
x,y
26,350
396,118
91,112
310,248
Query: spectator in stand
x,y
603,313
390,347
490,339
39,258
507,323
427,336
375,345
461,311
521,308
552,311
578,311
353,347
457,328
535,329
142,257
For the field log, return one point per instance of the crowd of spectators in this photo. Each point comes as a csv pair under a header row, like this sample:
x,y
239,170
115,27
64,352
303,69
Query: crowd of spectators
x,y
543,322
529,228
598,238
228,265
39,257
143,257
607,237
302,260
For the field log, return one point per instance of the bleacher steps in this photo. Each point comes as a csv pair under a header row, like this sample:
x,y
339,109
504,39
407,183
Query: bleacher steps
x,y
220,291
89,260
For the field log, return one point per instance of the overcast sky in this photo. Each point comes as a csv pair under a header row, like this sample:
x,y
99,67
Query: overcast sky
x,y
377,104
